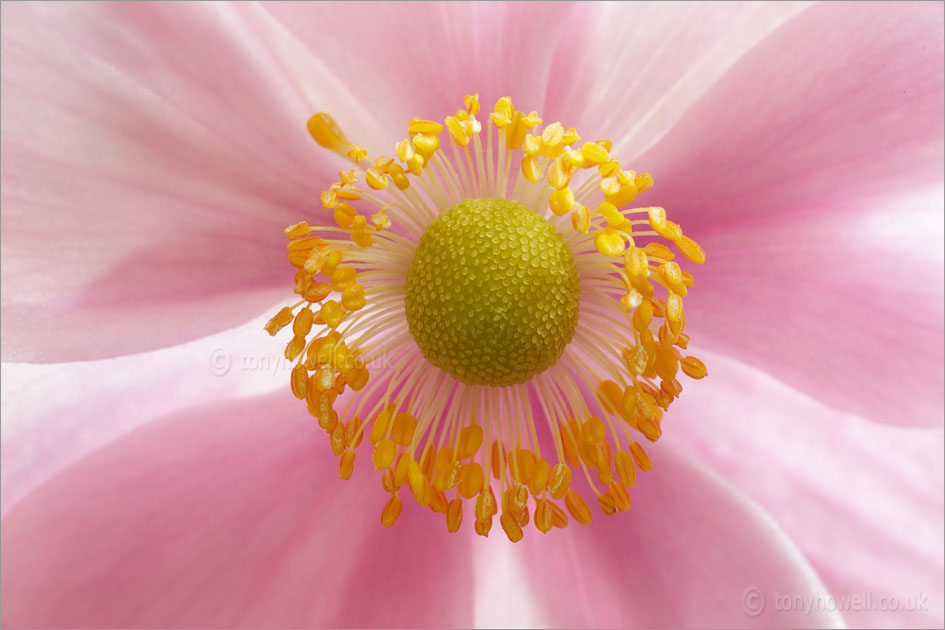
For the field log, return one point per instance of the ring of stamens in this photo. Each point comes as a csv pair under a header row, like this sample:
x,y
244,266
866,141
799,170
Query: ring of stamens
x,y
441,439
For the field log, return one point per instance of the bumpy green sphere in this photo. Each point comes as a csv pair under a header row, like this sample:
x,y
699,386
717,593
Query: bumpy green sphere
x,y
492,293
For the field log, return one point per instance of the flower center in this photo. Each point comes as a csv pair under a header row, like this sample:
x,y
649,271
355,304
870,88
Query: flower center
x,y
492,294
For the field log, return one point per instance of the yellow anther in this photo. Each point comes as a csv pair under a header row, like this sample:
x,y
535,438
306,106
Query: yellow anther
x,y
658,250
298,381
626,472
346,465
611,215
329,198
640,457
516,131
331,313
400,178
559,174
404,427
693,367
631,300
470,480
379,427
571,136
485,506
470,439
544,516
349,177
561,201
357,153
636,361
636,263
344,215
457,131
498,459
572,159
581,218
426,127
471,102
483,527
298,230
670,231
438,502
454,515
294,348
674,307
323,379
511,527
380,220
620,496
540,479
317,292
593,431
375,179
343,277
650,430
384,453
532,146
643,182
279,321
577,507
331,263
560,480
337,439
303,322
610,394
610,242
672,274
352,297
391,511
608,168
531,168
418,485
326,132
358,378
607,505
594,154
643,315
404,150
522,464
620,194
690,249
552,138
415,164
531,120
502,115
426,145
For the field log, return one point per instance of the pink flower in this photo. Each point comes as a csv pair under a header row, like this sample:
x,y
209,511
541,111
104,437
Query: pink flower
x,y
155,470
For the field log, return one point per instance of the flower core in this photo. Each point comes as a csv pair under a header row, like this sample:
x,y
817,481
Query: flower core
x,y
490,318
492,294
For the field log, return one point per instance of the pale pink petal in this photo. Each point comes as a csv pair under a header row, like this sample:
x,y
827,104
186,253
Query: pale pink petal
x,y
55,414
691,552
420,58
863,501
221,516
152,155
628,71
812,174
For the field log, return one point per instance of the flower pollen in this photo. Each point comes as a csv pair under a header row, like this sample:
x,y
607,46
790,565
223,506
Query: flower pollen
x,y
460,299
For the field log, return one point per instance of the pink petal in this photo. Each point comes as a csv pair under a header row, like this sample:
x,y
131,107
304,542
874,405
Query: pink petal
x,y
420,59
690,553
628,71
55,414
226,515
152,156
863,501
812,174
